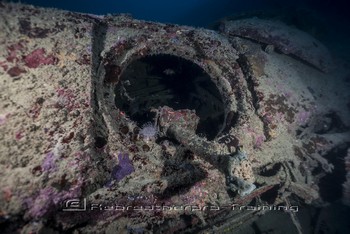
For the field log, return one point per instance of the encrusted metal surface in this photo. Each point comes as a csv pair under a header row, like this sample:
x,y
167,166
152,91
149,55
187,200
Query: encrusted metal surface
x,y
63,137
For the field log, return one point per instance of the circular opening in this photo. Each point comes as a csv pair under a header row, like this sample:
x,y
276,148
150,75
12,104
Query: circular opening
x,y
167,80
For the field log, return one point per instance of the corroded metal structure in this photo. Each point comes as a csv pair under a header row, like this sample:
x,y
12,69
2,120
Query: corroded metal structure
x,y
63,136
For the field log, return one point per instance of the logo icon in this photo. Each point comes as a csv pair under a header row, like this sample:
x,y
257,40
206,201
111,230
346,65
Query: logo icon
x,y
74,205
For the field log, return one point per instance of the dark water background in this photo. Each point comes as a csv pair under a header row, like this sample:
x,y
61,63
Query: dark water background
x,y
195,12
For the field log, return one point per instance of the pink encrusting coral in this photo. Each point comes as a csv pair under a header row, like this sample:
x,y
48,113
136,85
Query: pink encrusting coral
x,y
38,57
15,71
13,51
66,98
19,135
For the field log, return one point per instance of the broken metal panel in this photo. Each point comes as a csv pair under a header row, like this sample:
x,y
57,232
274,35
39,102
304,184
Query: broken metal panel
x,y
294,100
287,40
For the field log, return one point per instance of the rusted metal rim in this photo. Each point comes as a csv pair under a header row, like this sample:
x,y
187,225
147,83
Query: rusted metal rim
x,y
213,54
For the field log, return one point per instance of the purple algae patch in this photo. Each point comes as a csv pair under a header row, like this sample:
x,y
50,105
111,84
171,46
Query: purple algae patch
x,y
47,200
49,163
43,203
124,167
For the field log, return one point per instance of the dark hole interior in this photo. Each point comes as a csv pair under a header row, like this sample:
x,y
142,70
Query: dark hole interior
x,y
167,80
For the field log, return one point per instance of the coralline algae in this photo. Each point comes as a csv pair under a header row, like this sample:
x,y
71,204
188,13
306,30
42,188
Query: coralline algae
x,y
49,164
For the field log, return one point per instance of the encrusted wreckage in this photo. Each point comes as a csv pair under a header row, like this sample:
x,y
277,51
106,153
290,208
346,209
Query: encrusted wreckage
x,y
158,127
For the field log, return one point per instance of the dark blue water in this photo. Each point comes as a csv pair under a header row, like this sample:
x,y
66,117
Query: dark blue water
x,y
196,12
